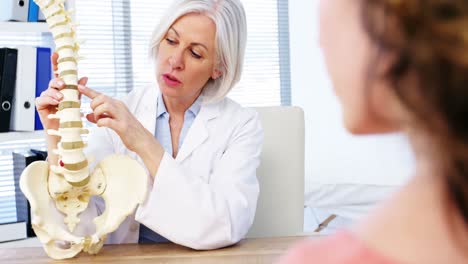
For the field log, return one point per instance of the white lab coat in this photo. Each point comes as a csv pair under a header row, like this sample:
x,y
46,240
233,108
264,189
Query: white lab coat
x,y
206,197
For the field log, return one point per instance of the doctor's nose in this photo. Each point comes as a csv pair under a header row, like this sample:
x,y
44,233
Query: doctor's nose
x,y
176,61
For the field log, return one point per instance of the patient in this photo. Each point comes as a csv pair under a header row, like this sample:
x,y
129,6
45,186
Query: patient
x,y
403,66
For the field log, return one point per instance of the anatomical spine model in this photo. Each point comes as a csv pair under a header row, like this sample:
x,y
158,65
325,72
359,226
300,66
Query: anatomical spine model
x,y
68,186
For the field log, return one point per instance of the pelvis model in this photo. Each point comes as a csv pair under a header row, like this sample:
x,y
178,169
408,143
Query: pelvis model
x,y
66,188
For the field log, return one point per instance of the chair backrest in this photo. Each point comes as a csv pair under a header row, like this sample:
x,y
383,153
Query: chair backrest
x,y
280,208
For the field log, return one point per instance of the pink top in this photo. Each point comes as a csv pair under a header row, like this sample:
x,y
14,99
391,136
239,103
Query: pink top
x,y
341,248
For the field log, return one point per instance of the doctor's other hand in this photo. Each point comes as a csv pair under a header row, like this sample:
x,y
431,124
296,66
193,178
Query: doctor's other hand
x,y
47,103
114,114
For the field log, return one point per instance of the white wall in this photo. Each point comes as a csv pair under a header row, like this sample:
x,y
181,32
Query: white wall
x,y
333,156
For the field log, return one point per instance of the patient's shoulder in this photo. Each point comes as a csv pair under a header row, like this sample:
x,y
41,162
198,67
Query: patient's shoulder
x,y
341,248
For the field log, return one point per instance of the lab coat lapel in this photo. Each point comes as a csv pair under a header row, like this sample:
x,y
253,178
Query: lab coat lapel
x,y
198,132
148,114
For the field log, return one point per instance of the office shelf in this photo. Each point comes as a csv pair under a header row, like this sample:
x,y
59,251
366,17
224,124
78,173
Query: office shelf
x,y
14,136
26,27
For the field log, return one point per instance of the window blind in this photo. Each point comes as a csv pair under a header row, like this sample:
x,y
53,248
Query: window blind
x,y
104,28
116,48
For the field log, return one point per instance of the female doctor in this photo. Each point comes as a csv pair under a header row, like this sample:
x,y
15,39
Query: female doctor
x,y
201,149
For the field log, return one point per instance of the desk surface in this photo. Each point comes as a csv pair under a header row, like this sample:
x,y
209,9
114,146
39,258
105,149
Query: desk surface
x,y
259,250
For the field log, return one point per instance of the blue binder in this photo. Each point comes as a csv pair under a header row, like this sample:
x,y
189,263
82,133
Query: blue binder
x,y
43,77
33,11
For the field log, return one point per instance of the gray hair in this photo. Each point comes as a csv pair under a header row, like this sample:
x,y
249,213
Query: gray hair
x,y
231,37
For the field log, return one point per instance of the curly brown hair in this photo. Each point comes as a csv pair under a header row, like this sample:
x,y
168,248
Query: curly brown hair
x,y
430,41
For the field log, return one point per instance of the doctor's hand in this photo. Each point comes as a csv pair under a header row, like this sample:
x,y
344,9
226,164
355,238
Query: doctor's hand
x,y
49,99
114,114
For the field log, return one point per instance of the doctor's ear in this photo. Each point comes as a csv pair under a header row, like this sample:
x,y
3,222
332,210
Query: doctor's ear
x,y
216,74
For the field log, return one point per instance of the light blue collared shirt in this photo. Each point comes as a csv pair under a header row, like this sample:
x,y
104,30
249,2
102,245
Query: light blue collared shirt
x,y
163,131
163,135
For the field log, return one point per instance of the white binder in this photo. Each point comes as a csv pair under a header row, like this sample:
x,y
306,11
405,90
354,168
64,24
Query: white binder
x,y
14,10
22,115
41,16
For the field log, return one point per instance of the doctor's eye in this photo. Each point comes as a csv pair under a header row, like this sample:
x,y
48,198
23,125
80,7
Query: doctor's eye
x,y
195,55
170,41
